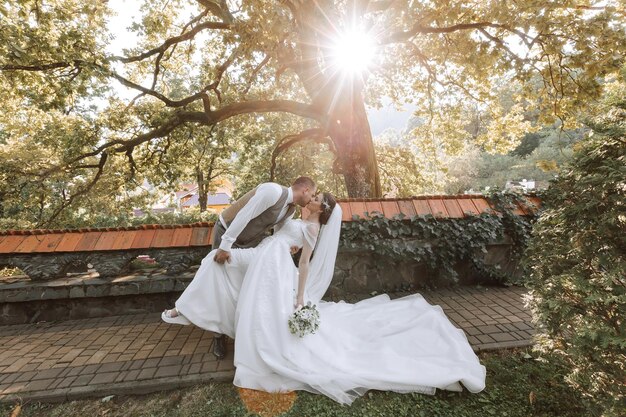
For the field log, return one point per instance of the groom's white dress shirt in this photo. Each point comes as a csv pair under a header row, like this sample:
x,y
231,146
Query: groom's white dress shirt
x,y
266,195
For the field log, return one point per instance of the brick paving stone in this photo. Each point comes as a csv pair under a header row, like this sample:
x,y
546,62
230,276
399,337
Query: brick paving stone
x,y
209,366
194,368
104,378
197,357
502,337
142,354
74,371
225,365
82,380
111,367
39,385
126,357
23,376
11,378
70,355
166,371
48,373
151,363
484,338
17,365
146,373
473,331
171,360
75,356
488,329
79,361
97,357
522,326
17,387
89,369
66,382
132,375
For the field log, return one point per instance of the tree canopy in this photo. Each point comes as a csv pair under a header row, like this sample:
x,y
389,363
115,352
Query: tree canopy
x,y
68,121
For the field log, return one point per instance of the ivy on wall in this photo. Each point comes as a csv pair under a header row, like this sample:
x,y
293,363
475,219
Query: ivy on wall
x,y
442,244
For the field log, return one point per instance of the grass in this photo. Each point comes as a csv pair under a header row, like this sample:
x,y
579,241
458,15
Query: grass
x,y
519,384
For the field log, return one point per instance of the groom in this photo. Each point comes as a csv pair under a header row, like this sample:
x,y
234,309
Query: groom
x,y
246,222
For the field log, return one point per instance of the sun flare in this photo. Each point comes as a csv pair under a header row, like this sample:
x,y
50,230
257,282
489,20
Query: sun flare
x,y
354,51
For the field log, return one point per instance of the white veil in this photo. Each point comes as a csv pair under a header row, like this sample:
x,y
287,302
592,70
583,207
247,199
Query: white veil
x,y
322,266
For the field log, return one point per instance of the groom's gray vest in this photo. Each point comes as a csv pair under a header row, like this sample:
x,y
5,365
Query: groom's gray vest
x,y
257,227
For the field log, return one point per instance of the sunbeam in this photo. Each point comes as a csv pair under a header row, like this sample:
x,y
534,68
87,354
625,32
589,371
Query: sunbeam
x,y
354,51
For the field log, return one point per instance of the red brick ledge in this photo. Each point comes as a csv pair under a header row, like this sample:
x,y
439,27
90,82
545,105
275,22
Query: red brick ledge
x,y
103,229
443,206
199,234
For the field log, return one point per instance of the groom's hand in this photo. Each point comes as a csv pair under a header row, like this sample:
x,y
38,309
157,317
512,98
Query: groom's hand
x,y
221,256
294,250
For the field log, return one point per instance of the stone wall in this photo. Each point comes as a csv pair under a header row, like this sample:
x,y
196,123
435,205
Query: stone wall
x,y
91,295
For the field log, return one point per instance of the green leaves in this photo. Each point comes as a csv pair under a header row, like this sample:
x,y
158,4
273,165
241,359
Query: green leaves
x,y
577,258
442,243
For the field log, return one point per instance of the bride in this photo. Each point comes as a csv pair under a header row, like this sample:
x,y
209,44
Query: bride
x,y
402,345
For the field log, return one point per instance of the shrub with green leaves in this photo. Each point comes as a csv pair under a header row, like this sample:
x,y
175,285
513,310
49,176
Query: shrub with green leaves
x,y
577,260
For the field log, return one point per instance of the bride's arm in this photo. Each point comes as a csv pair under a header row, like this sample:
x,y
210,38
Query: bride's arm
x,y
303,269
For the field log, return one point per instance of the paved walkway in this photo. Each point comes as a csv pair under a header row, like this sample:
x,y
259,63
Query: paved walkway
x,y
139,354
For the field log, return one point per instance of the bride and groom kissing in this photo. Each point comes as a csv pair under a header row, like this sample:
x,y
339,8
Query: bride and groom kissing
x,y
248,286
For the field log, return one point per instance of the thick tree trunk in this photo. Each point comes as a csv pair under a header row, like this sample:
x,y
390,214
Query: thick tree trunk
x,y
350,131
337,94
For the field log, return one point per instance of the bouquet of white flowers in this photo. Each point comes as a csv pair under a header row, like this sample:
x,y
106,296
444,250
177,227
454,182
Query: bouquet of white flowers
x,y
304,321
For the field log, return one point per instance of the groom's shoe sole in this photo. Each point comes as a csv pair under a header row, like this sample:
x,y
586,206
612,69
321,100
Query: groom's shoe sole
x,y
175,320
219,347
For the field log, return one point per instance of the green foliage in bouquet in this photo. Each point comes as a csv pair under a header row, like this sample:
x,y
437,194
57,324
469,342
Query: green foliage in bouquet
x,y
577,260
305,320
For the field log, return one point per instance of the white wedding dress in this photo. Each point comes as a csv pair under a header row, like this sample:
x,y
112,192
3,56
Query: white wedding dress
x,y
403,345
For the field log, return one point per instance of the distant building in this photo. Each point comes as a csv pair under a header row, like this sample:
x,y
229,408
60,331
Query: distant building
x,y
522,185
187,196
215,202
140,212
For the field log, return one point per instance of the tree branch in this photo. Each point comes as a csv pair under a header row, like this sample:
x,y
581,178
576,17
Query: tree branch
x,y
83,191
316,135
172,41
219,8
254,74
500,44
266,106
209,119
41,67
424,30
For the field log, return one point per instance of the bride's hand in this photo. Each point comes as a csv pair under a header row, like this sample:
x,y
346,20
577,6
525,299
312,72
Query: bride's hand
x,y
299,303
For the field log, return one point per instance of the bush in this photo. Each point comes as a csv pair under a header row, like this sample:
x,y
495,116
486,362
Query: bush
x,y
577,261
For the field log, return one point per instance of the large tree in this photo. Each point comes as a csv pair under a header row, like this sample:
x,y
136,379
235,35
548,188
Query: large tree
x,y
232,58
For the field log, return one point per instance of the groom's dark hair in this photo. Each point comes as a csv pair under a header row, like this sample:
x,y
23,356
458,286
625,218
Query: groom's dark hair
x,y
303,182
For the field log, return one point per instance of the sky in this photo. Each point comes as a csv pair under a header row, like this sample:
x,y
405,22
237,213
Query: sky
x,y
128,10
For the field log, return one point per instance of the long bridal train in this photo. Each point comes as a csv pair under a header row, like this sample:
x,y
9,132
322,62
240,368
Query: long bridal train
x,y
403,345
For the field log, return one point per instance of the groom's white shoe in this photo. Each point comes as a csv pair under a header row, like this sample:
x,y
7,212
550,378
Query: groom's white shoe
x,y
166,316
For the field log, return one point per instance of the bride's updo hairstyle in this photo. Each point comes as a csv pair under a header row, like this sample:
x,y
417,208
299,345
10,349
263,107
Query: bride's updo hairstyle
x,y
328,204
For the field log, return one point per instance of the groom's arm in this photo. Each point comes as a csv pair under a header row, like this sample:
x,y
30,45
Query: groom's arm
x,y
266,196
